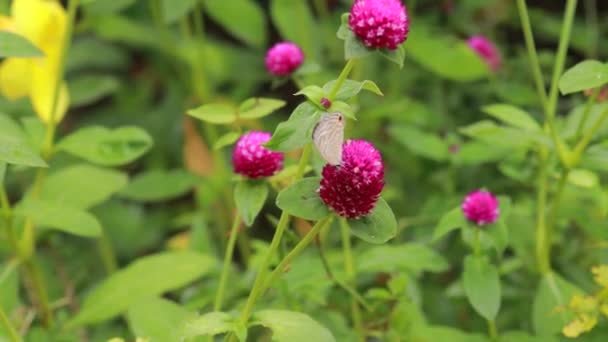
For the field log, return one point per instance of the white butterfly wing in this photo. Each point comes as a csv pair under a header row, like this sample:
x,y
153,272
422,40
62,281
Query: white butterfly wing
x,y
328,137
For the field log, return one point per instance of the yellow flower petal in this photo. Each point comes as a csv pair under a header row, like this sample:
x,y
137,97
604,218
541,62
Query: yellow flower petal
x,y
15,77
43,91
41,21
580,303
581,324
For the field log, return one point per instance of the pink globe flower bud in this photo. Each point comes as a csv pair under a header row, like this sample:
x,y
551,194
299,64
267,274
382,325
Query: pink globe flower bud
x,y
486,50
352,188
380,24
481,207
283,58
253,160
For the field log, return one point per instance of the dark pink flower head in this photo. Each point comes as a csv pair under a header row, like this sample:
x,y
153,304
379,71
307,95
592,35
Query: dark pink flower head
x,y
283,58
480,207
253,160
352,188
486,50
379,24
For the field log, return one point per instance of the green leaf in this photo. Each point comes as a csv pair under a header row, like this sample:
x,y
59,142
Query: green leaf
x,y
215,113
82,186
419,142
553,292
295,22
209,324
14,145
158,319
314,94
295,132
585,75
350,89
503,136
442,333
101,7
258,107
482,286
226,140
301,199
475,153
414,257
242,18
353,48
49,214
249,198
447,57
377,227
14,45
174,10
106,147
452,220
289,326
2,173
146,277
91,88
120,29
513,116
344,108
499,232
159,185
396,56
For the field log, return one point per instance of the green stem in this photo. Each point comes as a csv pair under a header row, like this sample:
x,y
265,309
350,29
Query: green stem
x,y
553,214
593,27
586,111
349,267
47,148
42,299
476,244
541,202
306,240
562,49
492,331
343,76
532,54
234,232
106,252
8,327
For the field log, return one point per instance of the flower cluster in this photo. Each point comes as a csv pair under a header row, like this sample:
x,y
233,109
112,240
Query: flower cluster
x,y
480,207
486,50
253,160
283,58
352,188
379,24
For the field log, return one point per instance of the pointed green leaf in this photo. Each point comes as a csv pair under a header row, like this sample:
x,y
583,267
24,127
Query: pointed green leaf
x,y
146,277
14,45
301,199
350,89
452,220
107,147
14,145
289,326
553,292
258,107
159,185
482,286
209,324
513,116
226,140
242,18
296,131
377,227
585,75
50,214
158,319
214,113
249,198
174,10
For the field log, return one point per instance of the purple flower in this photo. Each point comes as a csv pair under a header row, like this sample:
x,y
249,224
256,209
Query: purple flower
x,y
381,24
486,50
481,207
283,58
252,160
352,188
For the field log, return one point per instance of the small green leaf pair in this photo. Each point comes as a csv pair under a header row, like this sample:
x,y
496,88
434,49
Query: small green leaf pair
x,y
224,114
301,199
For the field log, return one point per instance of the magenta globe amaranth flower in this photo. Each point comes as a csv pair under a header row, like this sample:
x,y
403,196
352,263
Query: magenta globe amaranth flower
x,y
283,58
352,188
253,160
486,50
480,207
380,24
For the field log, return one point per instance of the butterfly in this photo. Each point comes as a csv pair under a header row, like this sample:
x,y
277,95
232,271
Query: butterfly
x,y
328,136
